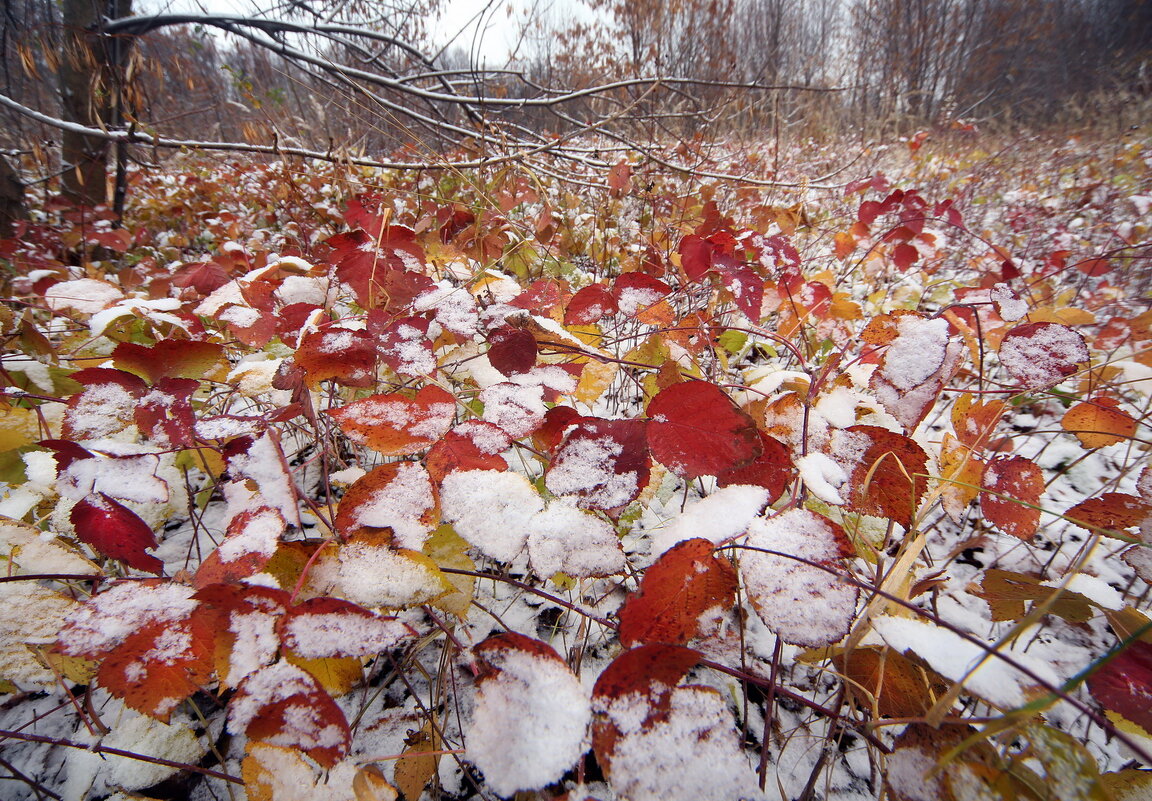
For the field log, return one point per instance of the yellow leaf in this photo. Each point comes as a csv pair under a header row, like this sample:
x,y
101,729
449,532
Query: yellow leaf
x,y
448,549
1064,316
337,675
595,379
18,427
418,764
369,784
1099,422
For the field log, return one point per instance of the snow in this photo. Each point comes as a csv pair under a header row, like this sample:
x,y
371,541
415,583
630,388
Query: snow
x,y
719,517
1039,358
586,467
272,683
29,614
381,577
263,463
958,659
109,618
1009,305
318,635
492,510
83,295
690,752
260,535
916,353
530,722
801,603
399,505
822,476
516,408
565,539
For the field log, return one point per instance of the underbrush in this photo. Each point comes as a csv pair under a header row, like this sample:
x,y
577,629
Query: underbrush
x,y
344,484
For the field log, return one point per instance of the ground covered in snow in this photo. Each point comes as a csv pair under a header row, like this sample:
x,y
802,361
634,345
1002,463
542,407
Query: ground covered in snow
x,y
367,485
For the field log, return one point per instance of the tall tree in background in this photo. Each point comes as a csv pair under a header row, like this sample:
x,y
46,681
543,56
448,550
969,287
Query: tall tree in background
x,y
91,75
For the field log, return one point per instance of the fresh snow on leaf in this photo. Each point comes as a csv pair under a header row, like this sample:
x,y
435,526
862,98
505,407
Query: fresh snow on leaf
x,y
530,722
822,476
957,659
492,510
107,619
690,750
803,604
565,539
719,517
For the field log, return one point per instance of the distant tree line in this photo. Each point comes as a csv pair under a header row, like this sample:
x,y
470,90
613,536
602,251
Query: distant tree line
x,y
365,80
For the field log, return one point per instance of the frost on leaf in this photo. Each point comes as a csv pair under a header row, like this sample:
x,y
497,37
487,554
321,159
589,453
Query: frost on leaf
x,y
492,510
159,665
396,495
682,585
602,464
108,619
530,722
342,355
30,616
1018,484
395,424
115,531
370,570
654,739
696,430
568,540
283,705
403,344
886,472
802,603
1038,355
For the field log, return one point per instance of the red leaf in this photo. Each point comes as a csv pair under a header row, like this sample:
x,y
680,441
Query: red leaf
x,y
747,290
646,669
886,472
542,296
205,277
620,178
116,532
342,355
1124,683
603,463
905,255
1038,355
396,425
590,305
169,358
1094,267
1022,482
403,343
772,469
250,541
695,430
284,705
683,584
696,255
472,445
159,665
869,211
557,421
512,350
165,414
395,494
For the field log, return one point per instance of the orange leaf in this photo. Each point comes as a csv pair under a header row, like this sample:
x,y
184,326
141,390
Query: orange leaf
x,y
683,584
159,665
1099,422
975,421
963,471
1022,483
338,354
396,425
889,683
1110,512
397,495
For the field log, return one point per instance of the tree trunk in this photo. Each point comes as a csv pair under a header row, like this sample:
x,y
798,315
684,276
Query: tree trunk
x,y
90,83
11,199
